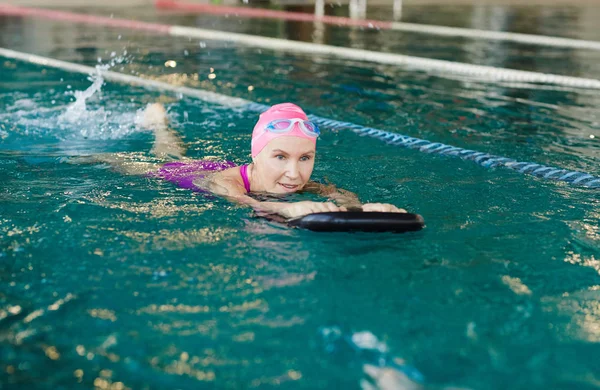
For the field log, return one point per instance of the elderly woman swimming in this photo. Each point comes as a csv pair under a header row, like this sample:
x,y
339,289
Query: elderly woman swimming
x,y
283,156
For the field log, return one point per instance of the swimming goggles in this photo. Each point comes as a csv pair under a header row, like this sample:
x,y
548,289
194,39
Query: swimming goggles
x,y
286,125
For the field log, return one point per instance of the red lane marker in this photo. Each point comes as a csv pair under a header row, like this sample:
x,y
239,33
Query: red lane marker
x,y
269,14
6,9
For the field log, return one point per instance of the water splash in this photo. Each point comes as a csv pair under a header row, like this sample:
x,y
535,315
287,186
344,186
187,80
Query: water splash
x,y
92,114
78,109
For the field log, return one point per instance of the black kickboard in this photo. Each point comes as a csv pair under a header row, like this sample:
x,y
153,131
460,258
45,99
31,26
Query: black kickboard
x,y
365,221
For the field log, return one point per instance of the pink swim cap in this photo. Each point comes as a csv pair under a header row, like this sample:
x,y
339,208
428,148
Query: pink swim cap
x,y
260,137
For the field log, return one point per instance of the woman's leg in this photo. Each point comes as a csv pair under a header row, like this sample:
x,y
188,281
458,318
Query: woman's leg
x,y
167,146
167,143
125,163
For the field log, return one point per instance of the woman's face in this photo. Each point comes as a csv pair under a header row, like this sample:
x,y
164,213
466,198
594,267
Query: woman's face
x,y
284,165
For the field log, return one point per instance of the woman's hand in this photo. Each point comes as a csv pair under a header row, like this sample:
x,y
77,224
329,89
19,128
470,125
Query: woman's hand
x,y
382,207
298,209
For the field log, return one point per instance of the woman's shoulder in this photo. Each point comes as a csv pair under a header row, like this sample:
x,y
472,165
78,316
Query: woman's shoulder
x,y
229,179
229,173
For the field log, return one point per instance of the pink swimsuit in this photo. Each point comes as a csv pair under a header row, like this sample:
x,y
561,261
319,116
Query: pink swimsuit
x,y
184,173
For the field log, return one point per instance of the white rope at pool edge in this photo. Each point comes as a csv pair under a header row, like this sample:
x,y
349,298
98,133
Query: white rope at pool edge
x,y
483,159
542,40
418,63
439,67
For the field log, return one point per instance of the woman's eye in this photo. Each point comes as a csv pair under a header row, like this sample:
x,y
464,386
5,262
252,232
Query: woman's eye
x,y
304,158
280,157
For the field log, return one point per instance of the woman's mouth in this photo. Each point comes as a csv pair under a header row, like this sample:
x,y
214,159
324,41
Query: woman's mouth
x,y
290,187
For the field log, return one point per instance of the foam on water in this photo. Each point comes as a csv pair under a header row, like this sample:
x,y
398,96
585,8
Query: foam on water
x,y
381,370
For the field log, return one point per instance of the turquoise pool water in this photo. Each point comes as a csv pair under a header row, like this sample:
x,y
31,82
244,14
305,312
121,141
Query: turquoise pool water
x,y
111,280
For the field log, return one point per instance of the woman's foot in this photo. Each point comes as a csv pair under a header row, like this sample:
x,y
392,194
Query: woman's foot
x,y
153,117
167,144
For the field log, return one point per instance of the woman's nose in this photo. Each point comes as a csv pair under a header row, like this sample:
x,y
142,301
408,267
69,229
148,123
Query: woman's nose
x,y
292,170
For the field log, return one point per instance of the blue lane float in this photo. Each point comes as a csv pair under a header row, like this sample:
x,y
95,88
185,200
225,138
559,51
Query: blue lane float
x,y
485,160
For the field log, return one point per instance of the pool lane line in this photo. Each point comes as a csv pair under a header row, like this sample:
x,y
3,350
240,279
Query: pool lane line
x,y
486,160
540,40
437,67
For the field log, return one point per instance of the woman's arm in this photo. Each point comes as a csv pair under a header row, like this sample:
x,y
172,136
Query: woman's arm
x,y
349,199
340,196
233,191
